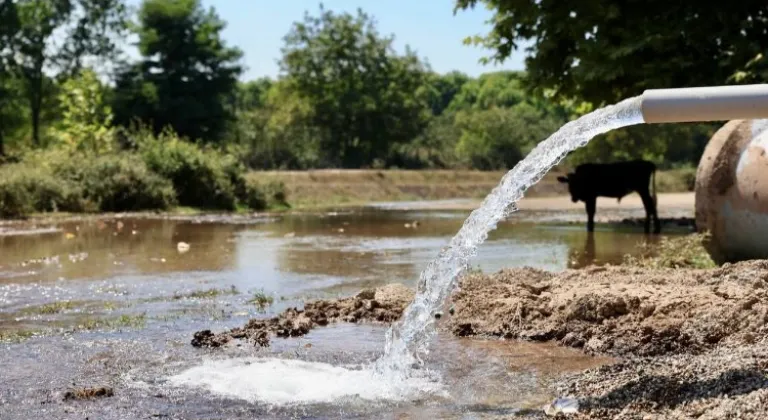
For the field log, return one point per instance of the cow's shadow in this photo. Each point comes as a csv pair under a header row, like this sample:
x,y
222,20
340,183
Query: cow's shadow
x,y
670,391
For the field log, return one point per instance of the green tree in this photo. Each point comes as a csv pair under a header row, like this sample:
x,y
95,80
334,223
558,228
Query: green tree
x,y
86,118
435,147
53,38
12,110
497,138
280,134
187,78
603,51
8,30
363,96
253,94
443,88
497,89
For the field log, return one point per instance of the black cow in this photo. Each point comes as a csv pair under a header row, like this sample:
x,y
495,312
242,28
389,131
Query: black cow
x,y
616,180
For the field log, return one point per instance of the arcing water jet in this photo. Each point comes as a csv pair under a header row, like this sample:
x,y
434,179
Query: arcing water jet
x,y
411,336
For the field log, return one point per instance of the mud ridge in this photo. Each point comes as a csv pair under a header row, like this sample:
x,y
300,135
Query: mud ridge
x,y
690,343
618,311
382,305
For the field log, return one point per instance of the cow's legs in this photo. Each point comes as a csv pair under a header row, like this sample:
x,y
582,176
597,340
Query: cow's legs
x,y
590,204
650,211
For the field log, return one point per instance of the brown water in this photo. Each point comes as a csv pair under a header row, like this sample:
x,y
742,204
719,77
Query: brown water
x,y
113,302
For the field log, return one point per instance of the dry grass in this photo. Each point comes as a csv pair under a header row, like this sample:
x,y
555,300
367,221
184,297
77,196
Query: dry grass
x,y
306,189
338,187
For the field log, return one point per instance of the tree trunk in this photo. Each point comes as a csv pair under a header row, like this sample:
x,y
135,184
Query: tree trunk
x,y
35,95
2,141
35,109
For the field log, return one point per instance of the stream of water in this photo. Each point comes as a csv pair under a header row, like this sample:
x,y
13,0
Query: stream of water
x,y
408,339
400,372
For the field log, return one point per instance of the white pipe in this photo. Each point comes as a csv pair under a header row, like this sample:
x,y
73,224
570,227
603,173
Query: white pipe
x,y
715,103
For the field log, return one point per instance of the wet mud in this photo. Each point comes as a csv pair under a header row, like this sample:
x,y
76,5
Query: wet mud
x,y
381,305
689,343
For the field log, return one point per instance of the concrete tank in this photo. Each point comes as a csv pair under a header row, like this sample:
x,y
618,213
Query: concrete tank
x,y
732,191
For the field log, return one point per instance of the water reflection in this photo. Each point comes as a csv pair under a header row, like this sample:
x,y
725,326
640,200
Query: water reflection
x,y
98,249
331,252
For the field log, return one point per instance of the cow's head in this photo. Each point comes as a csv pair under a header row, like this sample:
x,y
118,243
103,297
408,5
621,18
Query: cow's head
x,y
575,187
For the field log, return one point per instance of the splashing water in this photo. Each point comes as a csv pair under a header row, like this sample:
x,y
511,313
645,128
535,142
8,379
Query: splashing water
x,y
398,374
408,339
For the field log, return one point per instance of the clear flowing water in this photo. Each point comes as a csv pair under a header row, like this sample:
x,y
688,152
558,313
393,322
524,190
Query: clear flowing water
x,y
408,339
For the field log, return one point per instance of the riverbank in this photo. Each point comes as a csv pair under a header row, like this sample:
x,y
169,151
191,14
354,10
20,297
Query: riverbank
x,y
336,187
684,343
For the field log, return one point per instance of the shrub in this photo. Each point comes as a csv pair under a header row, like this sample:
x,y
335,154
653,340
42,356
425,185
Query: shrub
x,y
262,195
682,252
201,178
118,182
26,189
676,180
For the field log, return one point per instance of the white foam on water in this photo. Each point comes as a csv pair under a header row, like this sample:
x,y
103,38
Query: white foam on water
x,y
292,382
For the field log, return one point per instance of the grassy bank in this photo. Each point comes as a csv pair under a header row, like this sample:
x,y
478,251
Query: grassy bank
x,y
307,189
162,173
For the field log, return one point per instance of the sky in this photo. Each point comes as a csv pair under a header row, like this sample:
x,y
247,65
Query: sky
x,y
428,26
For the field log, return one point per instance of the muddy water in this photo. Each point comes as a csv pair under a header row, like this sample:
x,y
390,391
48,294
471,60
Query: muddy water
x,y
114,302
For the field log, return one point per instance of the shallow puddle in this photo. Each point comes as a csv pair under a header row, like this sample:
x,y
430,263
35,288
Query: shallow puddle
x,y
99,301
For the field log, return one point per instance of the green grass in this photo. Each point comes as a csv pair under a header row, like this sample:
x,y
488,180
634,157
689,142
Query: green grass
x,y
90,324
206,294
682,252
17,336
50,308
676,180
261,300
123,321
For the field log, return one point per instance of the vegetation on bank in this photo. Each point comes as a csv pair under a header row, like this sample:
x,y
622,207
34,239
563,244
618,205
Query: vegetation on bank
x,y
176,126
681,252
154,176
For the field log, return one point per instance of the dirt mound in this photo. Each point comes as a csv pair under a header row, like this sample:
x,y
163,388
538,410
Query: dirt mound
x,y
618,310
728,382
381,305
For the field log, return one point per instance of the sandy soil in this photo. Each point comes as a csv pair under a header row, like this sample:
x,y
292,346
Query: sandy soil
x,y
689,343
667,201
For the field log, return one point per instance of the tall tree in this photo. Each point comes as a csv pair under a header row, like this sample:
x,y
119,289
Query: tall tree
x,y
187,77
53,37
443,88
8,30
603,51
364,95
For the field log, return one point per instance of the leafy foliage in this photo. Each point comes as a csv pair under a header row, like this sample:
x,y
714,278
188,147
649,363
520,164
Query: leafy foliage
x,y
682,252
117,183
603,51
187,77
345,97
363,96
86,118
80,29
202,178
500,137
